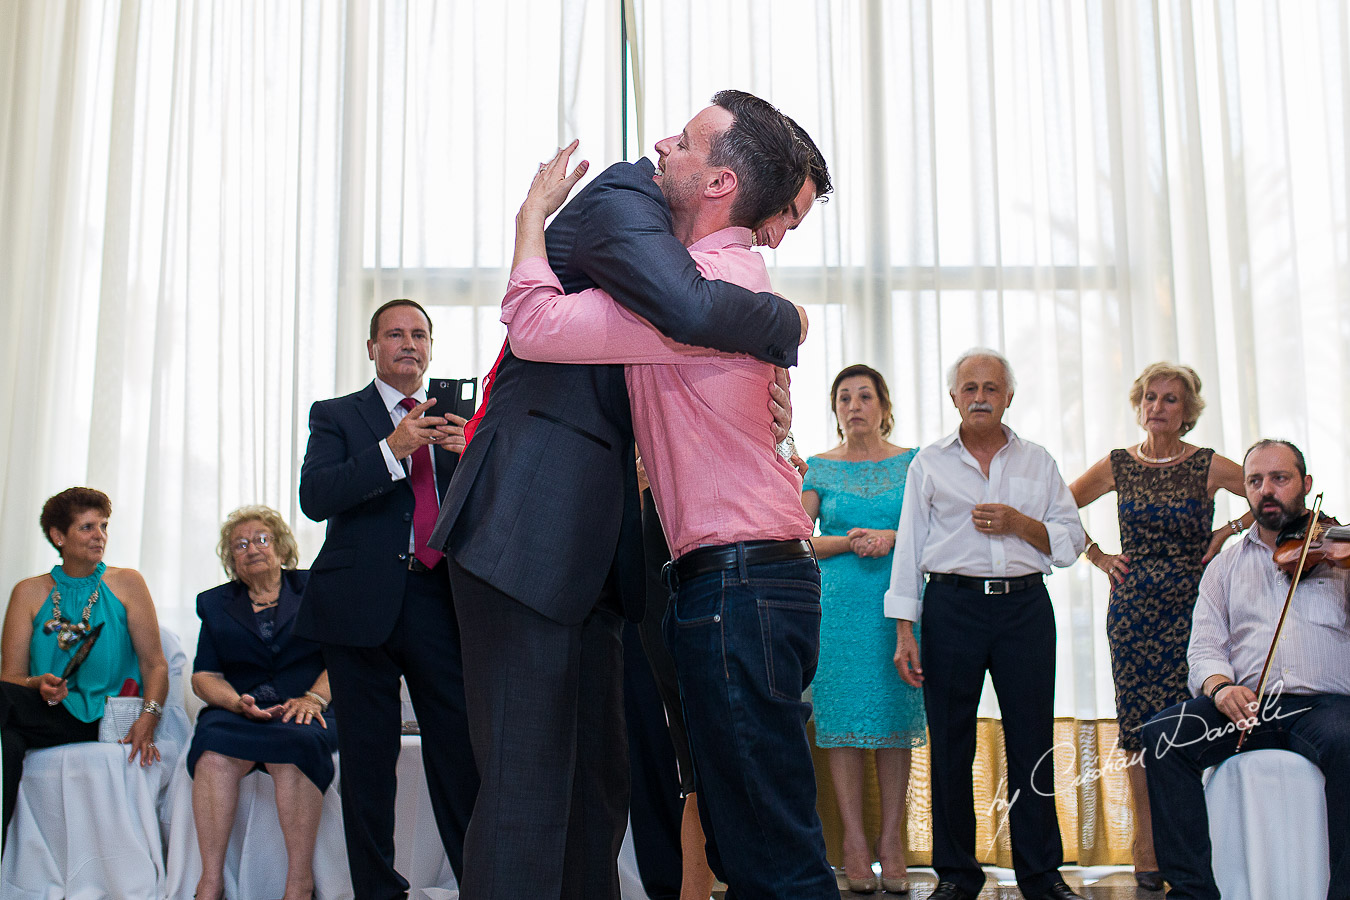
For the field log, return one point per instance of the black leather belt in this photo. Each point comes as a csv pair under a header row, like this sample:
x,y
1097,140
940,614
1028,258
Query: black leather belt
x,y
416,565
989,585
716,559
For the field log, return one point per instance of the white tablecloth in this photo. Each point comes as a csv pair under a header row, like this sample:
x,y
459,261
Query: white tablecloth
x,y
88,825
1268,824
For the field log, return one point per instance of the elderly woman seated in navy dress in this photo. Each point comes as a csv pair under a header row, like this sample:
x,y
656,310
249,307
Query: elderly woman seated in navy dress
x,y
266,692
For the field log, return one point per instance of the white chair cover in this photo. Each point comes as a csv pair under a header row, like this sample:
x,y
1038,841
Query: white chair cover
x,y
86,824
255,861
1268,825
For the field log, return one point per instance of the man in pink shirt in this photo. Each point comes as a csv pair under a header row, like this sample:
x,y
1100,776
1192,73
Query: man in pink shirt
x,y
744,621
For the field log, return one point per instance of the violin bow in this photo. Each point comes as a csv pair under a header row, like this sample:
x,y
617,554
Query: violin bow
x,y
1308,538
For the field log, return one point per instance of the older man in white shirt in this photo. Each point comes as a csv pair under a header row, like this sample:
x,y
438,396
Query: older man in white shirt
x,y
1306,707
985,516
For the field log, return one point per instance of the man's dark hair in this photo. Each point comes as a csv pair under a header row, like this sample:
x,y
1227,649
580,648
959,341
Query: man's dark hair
x,y
819,173
402,301
1277,442
769,160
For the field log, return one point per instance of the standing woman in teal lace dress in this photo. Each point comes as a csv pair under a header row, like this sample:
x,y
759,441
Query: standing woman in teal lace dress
x,y
1165,491
49,620
860,702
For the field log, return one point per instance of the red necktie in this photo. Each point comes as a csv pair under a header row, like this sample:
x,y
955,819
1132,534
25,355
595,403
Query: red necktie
x,y
471,426
427,504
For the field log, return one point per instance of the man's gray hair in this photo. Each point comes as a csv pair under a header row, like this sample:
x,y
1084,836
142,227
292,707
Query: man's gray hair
x,y
981,353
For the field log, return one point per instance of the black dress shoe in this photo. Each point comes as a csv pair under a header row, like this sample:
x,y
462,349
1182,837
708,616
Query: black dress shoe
x,y
1149,881
1057,891
947,890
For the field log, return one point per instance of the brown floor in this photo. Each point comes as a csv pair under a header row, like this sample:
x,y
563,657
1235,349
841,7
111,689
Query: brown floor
x,y
1117,885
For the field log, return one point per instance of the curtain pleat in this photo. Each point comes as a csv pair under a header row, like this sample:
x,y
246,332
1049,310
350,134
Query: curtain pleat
x,y
1091,798
205,200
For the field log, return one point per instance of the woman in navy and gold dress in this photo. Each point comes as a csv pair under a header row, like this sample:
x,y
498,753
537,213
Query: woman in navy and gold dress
x,y
1165,491
860,702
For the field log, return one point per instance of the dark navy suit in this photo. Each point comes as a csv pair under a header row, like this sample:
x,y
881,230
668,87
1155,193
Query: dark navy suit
x,y
231,644
376,621
542,525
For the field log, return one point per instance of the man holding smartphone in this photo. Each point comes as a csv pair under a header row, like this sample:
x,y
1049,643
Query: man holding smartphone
x,y
378,599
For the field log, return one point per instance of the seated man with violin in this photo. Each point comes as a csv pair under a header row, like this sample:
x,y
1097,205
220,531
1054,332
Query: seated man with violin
x,y
1303,679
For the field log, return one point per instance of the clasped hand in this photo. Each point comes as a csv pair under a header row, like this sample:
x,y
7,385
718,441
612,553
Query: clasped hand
x,y
871,542
302,709
418,430
995,518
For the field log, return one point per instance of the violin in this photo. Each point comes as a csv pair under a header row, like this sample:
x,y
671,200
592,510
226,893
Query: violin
x,y
1330,544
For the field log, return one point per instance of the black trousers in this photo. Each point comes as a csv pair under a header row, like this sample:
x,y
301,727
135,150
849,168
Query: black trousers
x,y
656,553
425,649
1012,637
28,723
545,705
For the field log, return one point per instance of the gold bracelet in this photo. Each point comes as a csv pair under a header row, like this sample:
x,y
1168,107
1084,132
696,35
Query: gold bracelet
x,y
323,704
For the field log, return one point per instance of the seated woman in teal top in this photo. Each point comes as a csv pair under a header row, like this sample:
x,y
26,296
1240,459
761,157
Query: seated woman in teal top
x,y
51,619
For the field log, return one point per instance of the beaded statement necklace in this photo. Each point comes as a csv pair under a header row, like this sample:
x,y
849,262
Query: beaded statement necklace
x,y
68,633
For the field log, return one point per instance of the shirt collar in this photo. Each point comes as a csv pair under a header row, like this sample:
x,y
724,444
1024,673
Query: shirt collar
x,y
734,236
392,396
954,439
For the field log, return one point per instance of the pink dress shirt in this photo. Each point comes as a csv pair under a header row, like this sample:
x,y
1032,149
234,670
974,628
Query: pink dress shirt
x,y
701,418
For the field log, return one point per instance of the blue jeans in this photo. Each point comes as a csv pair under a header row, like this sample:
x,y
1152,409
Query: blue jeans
x,y
1183,741
745,643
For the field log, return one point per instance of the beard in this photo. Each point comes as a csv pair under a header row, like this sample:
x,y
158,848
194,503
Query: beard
x,y
1274,519
680,194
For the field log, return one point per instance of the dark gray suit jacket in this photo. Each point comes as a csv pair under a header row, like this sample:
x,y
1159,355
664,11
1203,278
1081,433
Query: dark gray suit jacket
x,y
545,501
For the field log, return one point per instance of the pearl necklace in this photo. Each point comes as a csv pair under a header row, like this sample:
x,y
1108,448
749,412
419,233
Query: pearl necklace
x,y
1139,451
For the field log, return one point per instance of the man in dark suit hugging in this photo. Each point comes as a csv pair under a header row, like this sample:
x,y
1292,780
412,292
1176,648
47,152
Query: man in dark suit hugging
x,y
542,529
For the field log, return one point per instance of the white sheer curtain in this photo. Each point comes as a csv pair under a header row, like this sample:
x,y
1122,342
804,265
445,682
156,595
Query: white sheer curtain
x,y
1088,187
204,201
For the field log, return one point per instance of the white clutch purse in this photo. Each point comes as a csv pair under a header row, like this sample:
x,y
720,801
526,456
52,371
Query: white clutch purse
x,y
119,714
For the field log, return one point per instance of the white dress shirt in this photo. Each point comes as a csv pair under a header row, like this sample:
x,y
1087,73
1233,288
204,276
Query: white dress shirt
x,y
936,532
393,399
1241,595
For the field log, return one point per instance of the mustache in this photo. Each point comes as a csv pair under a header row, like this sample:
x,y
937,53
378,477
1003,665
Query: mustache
x,y
980,406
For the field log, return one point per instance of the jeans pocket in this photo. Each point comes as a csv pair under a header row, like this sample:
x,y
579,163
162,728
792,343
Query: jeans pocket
x,y
789,616
697,603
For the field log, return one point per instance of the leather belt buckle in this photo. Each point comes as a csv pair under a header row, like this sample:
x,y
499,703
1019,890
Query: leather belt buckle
x,y
997,586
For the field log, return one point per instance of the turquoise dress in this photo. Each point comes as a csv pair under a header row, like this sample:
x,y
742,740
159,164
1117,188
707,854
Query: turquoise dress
x,y
859,698
112,660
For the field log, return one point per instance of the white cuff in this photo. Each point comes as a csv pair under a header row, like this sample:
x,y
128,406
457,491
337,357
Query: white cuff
x,y
396,470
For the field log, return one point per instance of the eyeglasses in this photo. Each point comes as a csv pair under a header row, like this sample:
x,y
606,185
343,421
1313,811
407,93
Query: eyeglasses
x,y
261,541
